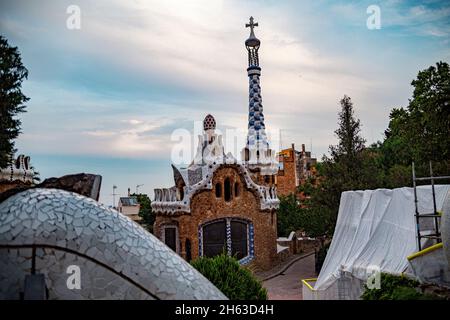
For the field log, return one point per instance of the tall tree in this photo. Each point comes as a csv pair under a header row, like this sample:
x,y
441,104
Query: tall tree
x,y
420,132
350,141
350,166
12,73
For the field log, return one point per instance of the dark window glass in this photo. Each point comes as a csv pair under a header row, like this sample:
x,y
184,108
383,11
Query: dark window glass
x,y
214,238
170,238
181,193
238,239
227,187
188,250
218,190
236,189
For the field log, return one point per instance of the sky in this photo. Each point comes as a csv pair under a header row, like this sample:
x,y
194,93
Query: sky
x,y
108,97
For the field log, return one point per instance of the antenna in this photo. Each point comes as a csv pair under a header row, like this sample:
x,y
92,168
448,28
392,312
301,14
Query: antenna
x,y
137,188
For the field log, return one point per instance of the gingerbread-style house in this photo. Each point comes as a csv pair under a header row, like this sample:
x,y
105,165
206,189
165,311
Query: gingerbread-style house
x,y
219,204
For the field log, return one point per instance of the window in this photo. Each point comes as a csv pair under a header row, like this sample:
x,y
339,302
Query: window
x,y
170,237
230,235
238,239
214,238
227,189
188,250
236,189
267,179
218,190
181,194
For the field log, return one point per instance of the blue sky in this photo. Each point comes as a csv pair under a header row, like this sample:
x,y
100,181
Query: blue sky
x,y
106,98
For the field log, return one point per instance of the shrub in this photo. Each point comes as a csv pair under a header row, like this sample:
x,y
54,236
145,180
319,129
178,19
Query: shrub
x,y
394,287
236,282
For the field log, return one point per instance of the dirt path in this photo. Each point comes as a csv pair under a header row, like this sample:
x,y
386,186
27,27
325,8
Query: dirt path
x,y
287,286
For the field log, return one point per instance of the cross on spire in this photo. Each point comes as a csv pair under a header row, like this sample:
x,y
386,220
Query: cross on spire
x,y
251,25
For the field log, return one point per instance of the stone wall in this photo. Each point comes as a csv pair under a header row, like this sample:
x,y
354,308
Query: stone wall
x,y
205,206
298,245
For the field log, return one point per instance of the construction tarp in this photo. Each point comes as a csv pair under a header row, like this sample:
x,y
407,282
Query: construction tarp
x,y
375,230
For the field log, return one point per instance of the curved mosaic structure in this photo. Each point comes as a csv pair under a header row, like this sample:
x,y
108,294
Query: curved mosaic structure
x,y
44,231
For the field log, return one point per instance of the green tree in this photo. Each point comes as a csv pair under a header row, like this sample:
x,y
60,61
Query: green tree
x,y
12,73
420,132
145,210
288,215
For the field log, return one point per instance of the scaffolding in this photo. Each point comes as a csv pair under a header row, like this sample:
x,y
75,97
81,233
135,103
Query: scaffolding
x,y
435,215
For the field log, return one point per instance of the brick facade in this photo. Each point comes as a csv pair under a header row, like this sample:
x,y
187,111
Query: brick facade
x,y
206,207
287,181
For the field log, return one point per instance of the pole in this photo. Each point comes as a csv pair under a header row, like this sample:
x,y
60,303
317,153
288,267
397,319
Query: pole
x,y
417,209
436,222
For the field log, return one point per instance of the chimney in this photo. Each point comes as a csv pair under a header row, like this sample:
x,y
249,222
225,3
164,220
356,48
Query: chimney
x,y
303,147
128,191
293,147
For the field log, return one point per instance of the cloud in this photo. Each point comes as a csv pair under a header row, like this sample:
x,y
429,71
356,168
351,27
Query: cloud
x,y
138,70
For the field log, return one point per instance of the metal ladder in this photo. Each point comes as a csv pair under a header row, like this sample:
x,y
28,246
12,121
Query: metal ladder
x,y
436,235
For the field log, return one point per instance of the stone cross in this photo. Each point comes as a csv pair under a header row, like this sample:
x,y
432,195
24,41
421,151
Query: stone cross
x,y
251,24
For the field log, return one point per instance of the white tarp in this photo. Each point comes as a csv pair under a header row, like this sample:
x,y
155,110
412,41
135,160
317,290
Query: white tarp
x,y
376,228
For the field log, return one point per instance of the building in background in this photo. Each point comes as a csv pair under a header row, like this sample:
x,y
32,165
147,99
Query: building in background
x,y
129,206
294,169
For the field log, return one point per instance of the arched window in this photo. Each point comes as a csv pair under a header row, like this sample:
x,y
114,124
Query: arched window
x,y
170,236
227,189
181,193
239,239
218,190
267,179
214,238
228,235
236,189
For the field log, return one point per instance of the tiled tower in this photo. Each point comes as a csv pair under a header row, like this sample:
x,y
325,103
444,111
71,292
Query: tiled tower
x,y
257,153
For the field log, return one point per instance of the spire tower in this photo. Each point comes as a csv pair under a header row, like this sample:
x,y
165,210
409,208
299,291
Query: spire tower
x,y
257,150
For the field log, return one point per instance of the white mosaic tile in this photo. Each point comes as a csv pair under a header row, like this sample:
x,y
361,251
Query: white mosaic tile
x,y
62,222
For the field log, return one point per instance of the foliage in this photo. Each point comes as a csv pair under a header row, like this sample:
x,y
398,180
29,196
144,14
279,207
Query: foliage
x,y
145,210
12,73
394,287
288,216
236,282
420,132
350,166
292,216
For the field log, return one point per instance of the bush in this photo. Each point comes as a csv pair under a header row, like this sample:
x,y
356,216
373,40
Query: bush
x,y
236,282
396,288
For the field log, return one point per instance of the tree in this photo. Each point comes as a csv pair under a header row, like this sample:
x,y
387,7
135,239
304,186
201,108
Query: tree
x,y
288,215
145,210
420,132
12,73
